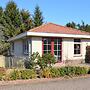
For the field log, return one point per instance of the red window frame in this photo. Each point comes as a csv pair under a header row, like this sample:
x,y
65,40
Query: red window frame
x,y
52,46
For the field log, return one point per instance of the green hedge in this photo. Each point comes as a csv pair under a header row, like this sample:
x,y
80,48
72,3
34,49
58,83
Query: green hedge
x,y
23,74
45,73
69,71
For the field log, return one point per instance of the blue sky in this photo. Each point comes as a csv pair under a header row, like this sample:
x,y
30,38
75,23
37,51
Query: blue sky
x,y
57,11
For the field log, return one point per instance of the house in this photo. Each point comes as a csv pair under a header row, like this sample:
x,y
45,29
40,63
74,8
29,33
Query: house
x,y
68,45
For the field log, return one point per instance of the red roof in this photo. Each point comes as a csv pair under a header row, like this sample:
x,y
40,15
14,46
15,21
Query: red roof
x,y
54,28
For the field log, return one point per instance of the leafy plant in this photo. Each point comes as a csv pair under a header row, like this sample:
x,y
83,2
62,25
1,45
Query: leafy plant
x,y
28,74
46,73
31,63
47,60
15,75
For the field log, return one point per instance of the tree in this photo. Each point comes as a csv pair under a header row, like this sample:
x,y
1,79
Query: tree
x,y
26,21
12,22
37,18
15,21
72,25
82,26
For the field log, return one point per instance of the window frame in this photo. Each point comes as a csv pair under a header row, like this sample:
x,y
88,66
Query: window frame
x,y
52,47
26,46
77,42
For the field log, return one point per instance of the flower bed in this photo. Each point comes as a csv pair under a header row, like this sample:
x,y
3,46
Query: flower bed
x,y
16,74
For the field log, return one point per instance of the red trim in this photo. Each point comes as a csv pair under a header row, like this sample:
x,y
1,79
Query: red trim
x,y
52,46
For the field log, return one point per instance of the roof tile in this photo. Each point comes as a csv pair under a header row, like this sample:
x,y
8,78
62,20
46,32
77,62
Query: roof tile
x,y
54,28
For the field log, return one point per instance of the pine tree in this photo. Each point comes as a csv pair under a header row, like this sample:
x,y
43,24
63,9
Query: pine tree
x,y
26,20
37,18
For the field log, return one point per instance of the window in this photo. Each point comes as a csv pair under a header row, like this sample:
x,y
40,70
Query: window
x,y
25,46
57,48
52,45
47,45
77,46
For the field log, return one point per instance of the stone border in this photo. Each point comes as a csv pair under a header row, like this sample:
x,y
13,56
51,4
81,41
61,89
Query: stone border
x,y
42,80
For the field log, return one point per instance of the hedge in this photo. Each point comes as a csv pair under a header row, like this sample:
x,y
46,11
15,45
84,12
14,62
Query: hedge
x,y
45,73
65,71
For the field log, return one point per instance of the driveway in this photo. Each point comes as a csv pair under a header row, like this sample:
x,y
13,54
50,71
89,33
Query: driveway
x,y
72,84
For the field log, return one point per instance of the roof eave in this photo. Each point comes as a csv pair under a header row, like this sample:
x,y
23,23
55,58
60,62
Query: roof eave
x,y
18,36
41,34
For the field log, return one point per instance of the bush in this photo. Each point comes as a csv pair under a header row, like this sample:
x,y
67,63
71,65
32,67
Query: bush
x,y
2,73
46,73
47,60
55,72
69,71
15,75
89,71
28,74
81,70
31,63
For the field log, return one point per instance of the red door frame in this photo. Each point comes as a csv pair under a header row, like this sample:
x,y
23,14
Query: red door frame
x,y
52,45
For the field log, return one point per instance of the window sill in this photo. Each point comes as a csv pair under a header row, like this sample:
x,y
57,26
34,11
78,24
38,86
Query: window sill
x,y
77,55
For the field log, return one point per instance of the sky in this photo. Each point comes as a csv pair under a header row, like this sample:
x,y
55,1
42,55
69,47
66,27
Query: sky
x,y
57,11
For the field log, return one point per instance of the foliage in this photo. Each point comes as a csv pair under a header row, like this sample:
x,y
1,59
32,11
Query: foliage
x,y
15,75
71,24
4,46
46,73
31,63
87,56
68,71
47,60
82,26
14,21
28,74
55,72
2,73
37,18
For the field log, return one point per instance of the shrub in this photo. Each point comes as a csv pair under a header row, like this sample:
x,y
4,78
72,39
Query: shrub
x,y
55,72
15,75
1,77
2,73
89,71
81,70
46,61
46,73
31,63
28,74
69,71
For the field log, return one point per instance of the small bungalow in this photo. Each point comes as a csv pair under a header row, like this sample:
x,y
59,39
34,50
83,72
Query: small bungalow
x,y
68,45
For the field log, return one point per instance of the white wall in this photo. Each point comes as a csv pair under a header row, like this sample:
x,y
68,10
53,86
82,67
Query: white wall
x,y
37,45
68,49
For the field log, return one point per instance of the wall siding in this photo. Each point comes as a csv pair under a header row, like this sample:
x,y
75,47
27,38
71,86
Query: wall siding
x,y
18,48
37,45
